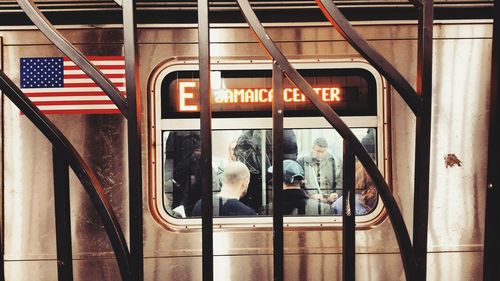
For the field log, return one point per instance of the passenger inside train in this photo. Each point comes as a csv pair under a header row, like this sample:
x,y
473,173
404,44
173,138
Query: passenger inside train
x,y
296,201
366,193
182,177
253,148
219,169
235,180
320,172
317,151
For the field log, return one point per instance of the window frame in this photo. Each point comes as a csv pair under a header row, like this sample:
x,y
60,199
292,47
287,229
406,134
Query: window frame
x,y
157,125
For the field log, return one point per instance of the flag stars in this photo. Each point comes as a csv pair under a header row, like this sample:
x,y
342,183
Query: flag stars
x,y
41,72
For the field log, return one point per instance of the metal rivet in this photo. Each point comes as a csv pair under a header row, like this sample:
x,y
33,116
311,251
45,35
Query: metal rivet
x,y
490,186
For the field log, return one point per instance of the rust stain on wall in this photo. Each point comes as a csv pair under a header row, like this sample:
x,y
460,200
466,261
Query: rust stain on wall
x,y
450,160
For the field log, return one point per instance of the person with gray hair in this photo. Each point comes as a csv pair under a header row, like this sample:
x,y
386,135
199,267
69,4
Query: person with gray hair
x,y
321,180
235,180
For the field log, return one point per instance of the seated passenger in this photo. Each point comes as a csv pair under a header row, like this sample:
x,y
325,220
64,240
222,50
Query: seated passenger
x,y
320,172
235,181
295,200
365,196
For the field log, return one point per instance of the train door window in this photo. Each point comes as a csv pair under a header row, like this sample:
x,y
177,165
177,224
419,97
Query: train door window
x,y
242,147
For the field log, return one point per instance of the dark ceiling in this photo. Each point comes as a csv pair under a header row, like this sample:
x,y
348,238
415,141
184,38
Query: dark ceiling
x,y
184,11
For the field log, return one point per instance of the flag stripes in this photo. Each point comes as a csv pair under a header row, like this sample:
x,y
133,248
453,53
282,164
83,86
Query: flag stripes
x,y
58,86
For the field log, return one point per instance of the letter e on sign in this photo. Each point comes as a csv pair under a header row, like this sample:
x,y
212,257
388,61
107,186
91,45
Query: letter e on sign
x,y
184,95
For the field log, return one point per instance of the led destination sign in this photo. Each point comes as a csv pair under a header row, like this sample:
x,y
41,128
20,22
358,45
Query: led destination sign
x,y
250,93
188,100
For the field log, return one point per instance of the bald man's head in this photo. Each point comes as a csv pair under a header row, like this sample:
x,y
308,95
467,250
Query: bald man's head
x,y
234,173
235,179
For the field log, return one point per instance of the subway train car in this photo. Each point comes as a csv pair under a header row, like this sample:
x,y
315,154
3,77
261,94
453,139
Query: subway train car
x,y
242,83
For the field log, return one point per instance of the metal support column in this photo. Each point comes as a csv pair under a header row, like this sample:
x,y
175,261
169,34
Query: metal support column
x,y
348,215
63,216
2,221
206,139
134,140
423,137
278,111
492,228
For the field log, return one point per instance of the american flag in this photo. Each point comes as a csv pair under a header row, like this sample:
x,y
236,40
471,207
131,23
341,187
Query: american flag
x,y
57,86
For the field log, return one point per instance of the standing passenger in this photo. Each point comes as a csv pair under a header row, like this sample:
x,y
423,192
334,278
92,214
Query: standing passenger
x,y
320,172
183,153
222,165
248,150
289,145
368,142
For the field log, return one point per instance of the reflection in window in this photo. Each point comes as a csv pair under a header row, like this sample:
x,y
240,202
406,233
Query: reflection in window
x,y
242,172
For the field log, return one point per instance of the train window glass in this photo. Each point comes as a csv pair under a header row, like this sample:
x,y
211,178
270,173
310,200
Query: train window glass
x,y
312,172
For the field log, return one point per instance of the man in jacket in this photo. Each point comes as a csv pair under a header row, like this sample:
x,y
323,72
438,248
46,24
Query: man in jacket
x,y
321,179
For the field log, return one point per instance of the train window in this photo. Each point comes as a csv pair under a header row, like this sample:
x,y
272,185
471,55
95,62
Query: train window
x,y
312,181
242,150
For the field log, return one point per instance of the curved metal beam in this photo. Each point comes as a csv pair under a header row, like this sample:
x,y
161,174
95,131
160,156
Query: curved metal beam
x,y
397,80
82,171
398,223
76,56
